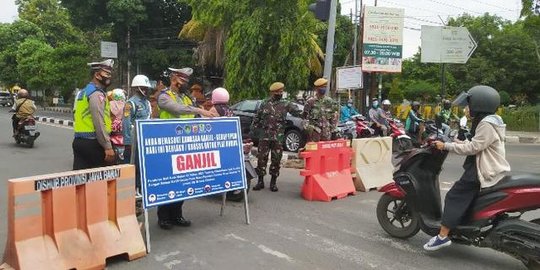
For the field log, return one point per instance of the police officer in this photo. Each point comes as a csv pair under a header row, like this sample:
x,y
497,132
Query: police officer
x,y
174,102
320,113
92,144
269,123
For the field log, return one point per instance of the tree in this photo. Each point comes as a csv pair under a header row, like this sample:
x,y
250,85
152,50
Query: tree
x,y
396,94
34,64
421,90
505,97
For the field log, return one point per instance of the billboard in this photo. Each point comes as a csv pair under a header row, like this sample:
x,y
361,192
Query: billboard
x,y
383,39
182,159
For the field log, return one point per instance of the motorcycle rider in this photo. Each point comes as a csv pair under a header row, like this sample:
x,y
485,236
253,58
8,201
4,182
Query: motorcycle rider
x,y
386,108
378,118
23,107
485,164
347,111
413,121
445,115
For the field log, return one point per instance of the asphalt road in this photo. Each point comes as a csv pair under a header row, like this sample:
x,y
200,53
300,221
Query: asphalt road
x,y
286,232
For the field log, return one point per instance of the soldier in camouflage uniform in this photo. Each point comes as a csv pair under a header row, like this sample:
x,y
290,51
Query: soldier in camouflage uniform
x,y
269,127
321,114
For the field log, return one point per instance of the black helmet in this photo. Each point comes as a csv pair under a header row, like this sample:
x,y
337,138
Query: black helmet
x,y
480,98
164,77
447,104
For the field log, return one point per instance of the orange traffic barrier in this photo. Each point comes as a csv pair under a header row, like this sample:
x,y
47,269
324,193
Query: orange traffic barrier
x,y
327,171
72,220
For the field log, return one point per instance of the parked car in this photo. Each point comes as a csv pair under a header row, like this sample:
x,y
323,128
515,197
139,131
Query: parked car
x,y
295,136
5,99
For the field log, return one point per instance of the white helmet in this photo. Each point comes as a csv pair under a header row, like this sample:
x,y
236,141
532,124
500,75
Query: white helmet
x,y
118,94
386,102
141,81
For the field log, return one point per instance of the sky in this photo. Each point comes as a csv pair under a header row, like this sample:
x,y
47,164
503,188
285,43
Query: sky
x,y
417,13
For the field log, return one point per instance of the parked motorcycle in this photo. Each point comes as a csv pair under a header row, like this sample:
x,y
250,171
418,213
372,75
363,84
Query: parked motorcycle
x,y
363,127
26,132
238,195
400,140
413,203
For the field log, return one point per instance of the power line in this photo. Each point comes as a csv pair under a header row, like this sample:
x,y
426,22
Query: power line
x,y
453,6
492,5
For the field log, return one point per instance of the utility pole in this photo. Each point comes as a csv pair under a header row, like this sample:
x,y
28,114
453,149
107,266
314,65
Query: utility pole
x,y
355,50
128,62
330,42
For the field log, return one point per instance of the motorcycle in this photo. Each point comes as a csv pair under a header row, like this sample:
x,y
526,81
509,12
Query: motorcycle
x,y
400,140
413,203
363,127
26,132
346,130
238,195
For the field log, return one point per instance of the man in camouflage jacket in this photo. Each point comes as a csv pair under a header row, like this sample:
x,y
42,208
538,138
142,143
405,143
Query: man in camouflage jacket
x,y
269,126
321,114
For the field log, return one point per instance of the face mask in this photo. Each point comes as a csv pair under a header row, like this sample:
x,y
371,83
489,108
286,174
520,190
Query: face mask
x,y
105,81
277,96
375,104
349,105
144,92
322,91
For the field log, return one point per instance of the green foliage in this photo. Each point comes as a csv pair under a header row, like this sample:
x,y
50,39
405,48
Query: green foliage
x,y
126,13
396,94
522,118
505,97
33,63
421,91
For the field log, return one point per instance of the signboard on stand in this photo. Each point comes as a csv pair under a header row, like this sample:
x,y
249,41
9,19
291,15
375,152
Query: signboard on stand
x,y
186,159
383,39
109,49
349,78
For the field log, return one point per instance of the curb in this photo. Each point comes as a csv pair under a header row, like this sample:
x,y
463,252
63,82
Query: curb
x,y
58,109
54,121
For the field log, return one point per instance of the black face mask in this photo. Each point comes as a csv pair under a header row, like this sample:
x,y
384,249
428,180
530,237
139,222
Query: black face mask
x,y
105,81
277,97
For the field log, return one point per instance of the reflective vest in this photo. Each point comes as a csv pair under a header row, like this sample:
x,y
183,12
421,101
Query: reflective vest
x,y
185,100
83,125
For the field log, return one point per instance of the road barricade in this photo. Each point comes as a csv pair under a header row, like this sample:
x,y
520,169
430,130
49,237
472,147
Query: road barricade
x,y
327,171
72,220
372,162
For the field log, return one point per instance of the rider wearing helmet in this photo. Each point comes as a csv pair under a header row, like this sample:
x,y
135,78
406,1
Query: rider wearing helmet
x,y
445,115
485,164
413,120
220,101
386,108
347,111
378,118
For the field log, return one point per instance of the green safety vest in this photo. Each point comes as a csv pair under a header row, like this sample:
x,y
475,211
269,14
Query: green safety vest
x,y
185,100
83,125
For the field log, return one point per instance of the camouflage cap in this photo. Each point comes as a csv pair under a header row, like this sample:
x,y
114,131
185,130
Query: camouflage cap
x,y
276,86
320,82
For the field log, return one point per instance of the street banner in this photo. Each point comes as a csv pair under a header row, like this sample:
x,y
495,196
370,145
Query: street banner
x,y
189,158
382,39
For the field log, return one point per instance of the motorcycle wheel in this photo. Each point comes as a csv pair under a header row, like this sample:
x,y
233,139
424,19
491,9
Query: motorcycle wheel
x,y
398,221
533,264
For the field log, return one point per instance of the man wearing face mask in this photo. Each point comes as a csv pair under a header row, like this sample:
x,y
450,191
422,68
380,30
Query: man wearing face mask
x,y
269,124
378,118
92,126
320,114
174,102
347,111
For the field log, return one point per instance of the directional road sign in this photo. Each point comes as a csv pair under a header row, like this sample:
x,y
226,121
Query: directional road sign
x,y
445,44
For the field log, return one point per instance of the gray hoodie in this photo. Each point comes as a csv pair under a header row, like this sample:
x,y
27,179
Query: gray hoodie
x,y
488,146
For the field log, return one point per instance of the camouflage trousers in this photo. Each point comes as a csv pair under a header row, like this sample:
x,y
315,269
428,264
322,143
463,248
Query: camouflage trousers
x,y
275,149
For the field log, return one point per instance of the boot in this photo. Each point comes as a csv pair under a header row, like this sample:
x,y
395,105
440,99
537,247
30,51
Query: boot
x,y
273,186
260,184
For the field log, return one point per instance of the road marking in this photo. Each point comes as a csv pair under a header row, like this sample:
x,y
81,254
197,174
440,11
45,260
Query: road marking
x,y
171,264
162,257
263,248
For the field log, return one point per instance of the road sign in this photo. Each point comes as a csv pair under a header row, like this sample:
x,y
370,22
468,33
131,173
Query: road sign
x,y
349,78
445,44
109,49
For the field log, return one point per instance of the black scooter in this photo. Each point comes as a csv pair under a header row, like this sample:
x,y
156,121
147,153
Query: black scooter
x,y
26,132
